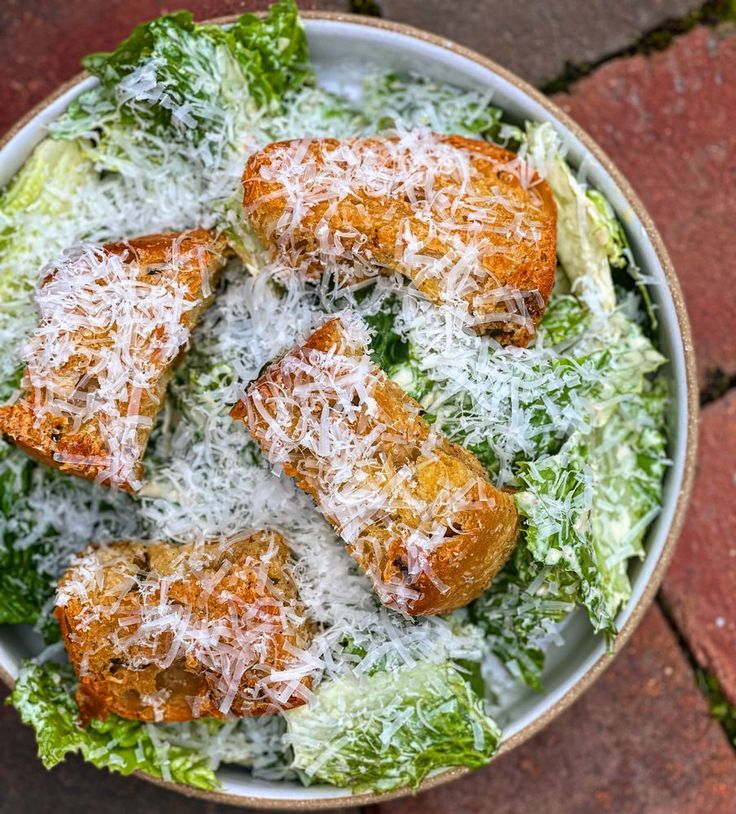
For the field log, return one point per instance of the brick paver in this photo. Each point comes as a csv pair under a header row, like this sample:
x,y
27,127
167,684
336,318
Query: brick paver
x,y
668,122
638,742
536,38
700,588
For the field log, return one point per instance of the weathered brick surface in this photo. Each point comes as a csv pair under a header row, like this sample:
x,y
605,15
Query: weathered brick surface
x,y
700,588
537,38
668,122
640,741
42,41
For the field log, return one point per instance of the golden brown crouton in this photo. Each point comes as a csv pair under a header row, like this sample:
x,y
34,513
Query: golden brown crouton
x,y
466,221
113,320
417,512
161,632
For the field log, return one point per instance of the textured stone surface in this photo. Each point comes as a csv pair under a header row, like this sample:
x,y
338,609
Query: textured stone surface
x,y
700,588
638,742
537,38
42,41
667,121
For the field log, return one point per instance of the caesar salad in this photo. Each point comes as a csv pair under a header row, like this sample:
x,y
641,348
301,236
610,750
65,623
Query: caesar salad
x,y
321,414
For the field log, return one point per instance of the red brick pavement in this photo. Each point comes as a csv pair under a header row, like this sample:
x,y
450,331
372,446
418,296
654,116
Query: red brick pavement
x,y
668,122
700,588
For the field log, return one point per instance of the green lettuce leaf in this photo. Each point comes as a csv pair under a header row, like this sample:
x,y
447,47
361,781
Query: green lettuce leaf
x,y
556,500
273,50
23,588
584,237
391,729
519,613
43,698
629,463
175,75
587,507
45,518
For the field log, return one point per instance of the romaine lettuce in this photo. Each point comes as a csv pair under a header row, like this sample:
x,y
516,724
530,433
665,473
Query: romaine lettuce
x,y
172,75
519,613
586,511
23,588
43,697
38,507
391,729
556,499
585,241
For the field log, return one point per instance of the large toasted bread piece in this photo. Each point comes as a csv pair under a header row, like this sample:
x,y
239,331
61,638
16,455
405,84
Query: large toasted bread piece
x,y
113,321
417,512
468,222
161,632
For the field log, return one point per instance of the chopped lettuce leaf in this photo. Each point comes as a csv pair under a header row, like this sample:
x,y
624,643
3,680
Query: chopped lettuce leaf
x,y
317,113
23,589
587,510
606,217
38,507
551,387
519,613
508,405
272,50
629,461
43,697
619,251
556,500
584,238
391,729
388,349
588,507
174,75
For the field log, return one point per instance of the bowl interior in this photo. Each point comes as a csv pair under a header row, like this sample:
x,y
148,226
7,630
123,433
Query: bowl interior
x,y
343,52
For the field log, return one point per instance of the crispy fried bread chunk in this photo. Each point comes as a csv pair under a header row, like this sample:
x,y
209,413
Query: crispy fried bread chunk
x,y
165,632
469,223
113,320
417,512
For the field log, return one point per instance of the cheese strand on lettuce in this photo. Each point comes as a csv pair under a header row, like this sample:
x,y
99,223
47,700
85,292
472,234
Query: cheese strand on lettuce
x,y
391,729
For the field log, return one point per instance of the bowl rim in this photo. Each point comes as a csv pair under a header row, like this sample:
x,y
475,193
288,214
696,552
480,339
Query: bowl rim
x,y
691,440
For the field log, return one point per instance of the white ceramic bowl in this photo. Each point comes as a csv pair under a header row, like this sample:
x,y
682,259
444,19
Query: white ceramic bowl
x,y
344,48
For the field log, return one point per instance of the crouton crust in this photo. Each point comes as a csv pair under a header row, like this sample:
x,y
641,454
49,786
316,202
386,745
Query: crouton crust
x,y
70,436
443,530
294,194
165,632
